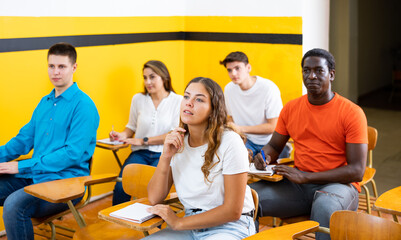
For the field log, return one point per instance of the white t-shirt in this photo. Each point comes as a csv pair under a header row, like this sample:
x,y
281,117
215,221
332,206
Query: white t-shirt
x,y
147,121
254,106
189,181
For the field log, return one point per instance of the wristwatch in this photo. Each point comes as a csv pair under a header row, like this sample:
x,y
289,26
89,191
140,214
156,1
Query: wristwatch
x,y
145,141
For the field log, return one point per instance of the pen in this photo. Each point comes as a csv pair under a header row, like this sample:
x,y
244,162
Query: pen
x,y
263,156
112,132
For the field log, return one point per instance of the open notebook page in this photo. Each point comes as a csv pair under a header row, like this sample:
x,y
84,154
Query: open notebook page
x,y
268,171
107,141
135,213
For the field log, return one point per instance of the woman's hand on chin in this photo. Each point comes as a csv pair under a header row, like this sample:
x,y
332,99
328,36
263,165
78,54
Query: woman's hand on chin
x,y
173,142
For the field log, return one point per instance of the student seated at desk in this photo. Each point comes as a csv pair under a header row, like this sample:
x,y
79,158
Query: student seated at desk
x,y
208,163
153,113
254,103
330,137
62,133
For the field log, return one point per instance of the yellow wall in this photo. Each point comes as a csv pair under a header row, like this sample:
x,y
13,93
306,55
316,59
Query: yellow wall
x,y
112,74
277,62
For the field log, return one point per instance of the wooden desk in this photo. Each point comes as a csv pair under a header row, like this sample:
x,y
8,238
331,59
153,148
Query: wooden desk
x,y
273,178
145,226
390,202
65,190
114,149
286,232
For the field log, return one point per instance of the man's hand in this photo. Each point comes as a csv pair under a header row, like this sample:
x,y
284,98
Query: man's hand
x,y
9,168
235,126
292,174
260,164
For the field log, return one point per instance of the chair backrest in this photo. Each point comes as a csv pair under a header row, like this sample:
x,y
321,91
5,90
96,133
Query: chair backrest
x,y
255,197
90,165
356,225
372,140
136,178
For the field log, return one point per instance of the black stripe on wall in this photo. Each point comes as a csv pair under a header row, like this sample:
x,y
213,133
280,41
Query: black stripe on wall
x,y
40,43
295,39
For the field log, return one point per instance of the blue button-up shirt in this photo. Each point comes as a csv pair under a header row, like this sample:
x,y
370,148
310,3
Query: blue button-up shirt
x,y
62,132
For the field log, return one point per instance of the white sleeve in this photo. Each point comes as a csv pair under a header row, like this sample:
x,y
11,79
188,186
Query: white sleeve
x,y
273,103
133,114
226,97
235,156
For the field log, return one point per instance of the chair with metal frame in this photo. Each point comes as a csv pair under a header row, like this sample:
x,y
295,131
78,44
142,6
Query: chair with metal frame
x,y
255,198
135,180
343,225
369,170
64,191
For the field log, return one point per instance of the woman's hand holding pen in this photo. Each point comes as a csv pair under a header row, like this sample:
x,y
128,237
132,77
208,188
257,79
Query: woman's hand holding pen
x,y
116,136
173,142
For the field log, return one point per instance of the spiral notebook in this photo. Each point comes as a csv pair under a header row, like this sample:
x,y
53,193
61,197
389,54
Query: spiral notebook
x,y
135,213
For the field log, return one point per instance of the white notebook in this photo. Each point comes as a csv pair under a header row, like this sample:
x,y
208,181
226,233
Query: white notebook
x,y
135,213
268,171
107,141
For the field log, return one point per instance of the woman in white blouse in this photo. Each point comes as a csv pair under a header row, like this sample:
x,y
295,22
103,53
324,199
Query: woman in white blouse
x,y
153,114
208,163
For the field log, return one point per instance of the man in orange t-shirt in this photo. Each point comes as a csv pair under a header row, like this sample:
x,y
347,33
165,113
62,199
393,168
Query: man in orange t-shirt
x,y
330,138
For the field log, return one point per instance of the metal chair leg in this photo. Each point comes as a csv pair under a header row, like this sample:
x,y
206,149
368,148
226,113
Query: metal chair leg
x,y
367,199
375,193
53,231
78,217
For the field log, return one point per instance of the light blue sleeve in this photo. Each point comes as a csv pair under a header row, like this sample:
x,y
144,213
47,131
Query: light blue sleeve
x,y
20,144
81,138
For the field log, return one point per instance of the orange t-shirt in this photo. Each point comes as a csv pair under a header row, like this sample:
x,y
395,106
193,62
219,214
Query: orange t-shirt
x,y
320,132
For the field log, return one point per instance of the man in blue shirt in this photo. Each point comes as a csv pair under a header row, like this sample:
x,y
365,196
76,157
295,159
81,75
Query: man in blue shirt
x,y
62,132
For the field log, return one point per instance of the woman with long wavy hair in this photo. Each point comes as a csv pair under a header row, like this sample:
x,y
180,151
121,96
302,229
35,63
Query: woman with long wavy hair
x,y
208,163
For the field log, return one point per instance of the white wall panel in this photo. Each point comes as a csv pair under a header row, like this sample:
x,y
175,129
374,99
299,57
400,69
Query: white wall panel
x,y
126,8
